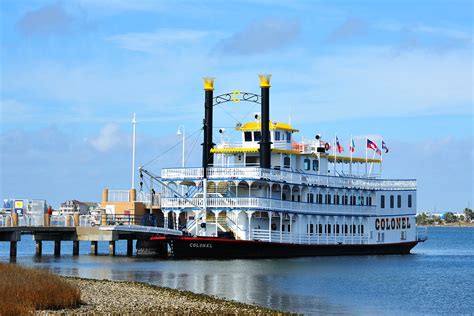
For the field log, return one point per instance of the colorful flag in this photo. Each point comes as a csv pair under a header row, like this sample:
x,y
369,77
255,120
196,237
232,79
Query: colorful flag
x,y
352,146
378,151
371,144
384,146
338,145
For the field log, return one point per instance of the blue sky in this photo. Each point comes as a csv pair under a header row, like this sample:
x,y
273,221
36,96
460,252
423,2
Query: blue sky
x,y
73,72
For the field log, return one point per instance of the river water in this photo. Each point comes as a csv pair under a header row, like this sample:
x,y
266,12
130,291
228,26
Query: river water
x,y
437,278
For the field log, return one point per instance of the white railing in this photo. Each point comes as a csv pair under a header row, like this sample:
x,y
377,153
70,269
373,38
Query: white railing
x,y
146,198
182,173
265,204
290,177
318,239
89,220
119,196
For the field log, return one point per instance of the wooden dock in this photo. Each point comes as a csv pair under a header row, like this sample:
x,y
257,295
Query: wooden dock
x,y
77,230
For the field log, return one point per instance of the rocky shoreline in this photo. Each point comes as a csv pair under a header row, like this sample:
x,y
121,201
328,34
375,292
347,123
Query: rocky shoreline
x,y
101,297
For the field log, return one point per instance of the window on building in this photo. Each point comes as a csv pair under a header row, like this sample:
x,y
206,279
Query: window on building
x,y
288,137
286,162
277,135
337,229
320,228
248,136
307,164
316,165
382,201
328,199
320,198
410,201
257,136
392,201
399,201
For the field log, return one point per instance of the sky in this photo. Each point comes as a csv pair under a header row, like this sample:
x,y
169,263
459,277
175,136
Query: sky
x,y
72,73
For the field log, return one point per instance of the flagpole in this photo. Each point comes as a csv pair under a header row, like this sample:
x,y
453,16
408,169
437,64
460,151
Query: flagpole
x,y
366,174
381,159
335,154
350,149
372,163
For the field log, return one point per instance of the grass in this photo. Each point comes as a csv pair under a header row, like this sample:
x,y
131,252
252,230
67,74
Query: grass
x,y
25,290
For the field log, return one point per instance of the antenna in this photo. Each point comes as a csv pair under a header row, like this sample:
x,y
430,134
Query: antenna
x,y
134,123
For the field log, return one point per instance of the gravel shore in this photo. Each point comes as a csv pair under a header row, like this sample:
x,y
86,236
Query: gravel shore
x,y
114,298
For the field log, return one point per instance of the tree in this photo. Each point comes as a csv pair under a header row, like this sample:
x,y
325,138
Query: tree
x,y
469,214
449,217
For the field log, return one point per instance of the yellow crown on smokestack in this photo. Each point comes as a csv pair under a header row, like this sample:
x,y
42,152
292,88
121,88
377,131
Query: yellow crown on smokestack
x,y
265,81
208,83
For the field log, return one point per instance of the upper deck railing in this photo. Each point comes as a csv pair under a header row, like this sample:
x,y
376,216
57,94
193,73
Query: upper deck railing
x,y
255,173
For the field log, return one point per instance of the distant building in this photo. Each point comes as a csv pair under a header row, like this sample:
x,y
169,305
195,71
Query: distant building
x,y
71,206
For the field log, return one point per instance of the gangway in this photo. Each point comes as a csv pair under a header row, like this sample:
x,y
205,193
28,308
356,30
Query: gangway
x,y
143,229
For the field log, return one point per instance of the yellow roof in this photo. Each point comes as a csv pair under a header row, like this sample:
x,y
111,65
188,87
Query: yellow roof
x,y
256,126
354,159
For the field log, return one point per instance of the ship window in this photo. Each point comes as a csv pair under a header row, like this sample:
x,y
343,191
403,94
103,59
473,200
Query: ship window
x,y
307,164
329,229
337,229
392,201
409,201
382,201
316,165
399,201
368,201
283,227
288,137
277,135
286,162
257,136
320,199
362,229
345,229
289,228
248,136
353,229
320,227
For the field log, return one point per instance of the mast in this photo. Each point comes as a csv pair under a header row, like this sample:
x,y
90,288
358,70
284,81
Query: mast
x,y
134,123
207,156
265,144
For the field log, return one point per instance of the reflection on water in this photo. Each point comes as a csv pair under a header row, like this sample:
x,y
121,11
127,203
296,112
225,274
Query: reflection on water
x,y
440,271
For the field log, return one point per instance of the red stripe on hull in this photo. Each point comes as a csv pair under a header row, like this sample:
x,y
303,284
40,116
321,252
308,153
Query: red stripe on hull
x,y
217,248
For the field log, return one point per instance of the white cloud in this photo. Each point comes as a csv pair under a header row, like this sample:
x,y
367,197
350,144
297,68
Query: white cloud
x,y
159,41
109,137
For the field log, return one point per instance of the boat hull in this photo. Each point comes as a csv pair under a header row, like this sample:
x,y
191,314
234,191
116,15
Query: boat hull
x,y
218,248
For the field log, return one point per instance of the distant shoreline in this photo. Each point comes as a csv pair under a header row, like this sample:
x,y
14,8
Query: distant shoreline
x,y
451,225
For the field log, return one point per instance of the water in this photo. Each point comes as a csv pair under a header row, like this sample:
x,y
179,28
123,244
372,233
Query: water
x,y
438,278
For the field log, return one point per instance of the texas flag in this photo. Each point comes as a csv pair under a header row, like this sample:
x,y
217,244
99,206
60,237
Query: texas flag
x,y
371,144
384,146
338,145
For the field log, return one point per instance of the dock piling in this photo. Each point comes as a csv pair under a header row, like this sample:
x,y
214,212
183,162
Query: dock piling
x,y
112,248
13,248
57,247
129,247
75,247
39,248
94,247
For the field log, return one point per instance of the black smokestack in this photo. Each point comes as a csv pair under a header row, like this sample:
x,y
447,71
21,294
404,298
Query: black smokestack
x,y
265,144
207,156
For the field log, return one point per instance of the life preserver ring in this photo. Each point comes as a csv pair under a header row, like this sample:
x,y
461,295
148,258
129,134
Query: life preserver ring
x,y
327,146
